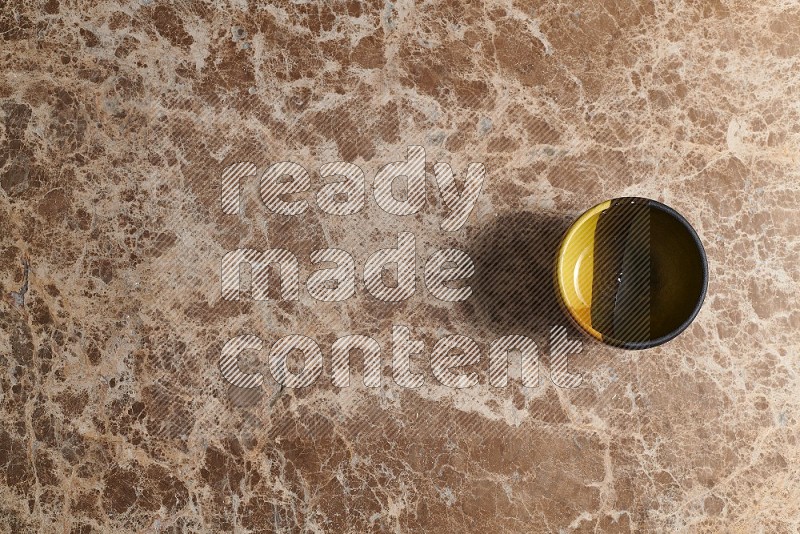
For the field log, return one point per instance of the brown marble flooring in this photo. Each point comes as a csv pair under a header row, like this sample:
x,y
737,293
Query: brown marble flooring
x,y
117,120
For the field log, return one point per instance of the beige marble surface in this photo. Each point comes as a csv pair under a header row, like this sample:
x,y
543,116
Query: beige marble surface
x,y
117,122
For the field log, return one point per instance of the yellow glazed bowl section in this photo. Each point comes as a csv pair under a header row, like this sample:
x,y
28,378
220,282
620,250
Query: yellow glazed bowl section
x,y
575,268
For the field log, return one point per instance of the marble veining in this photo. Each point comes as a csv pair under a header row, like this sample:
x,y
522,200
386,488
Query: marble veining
x,y
117,120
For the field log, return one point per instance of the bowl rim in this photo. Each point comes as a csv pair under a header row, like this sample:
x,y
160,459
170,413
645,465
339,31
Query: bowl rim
x,y
631,345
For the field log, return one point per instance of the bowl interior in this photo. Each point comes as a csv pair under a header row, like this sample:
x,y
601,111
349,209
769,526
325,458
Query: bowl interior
x,y
632,272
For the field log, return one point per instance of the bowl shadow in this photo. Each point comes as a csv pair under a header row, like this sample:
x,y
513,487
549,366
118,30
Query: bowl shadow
x,y
514,288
